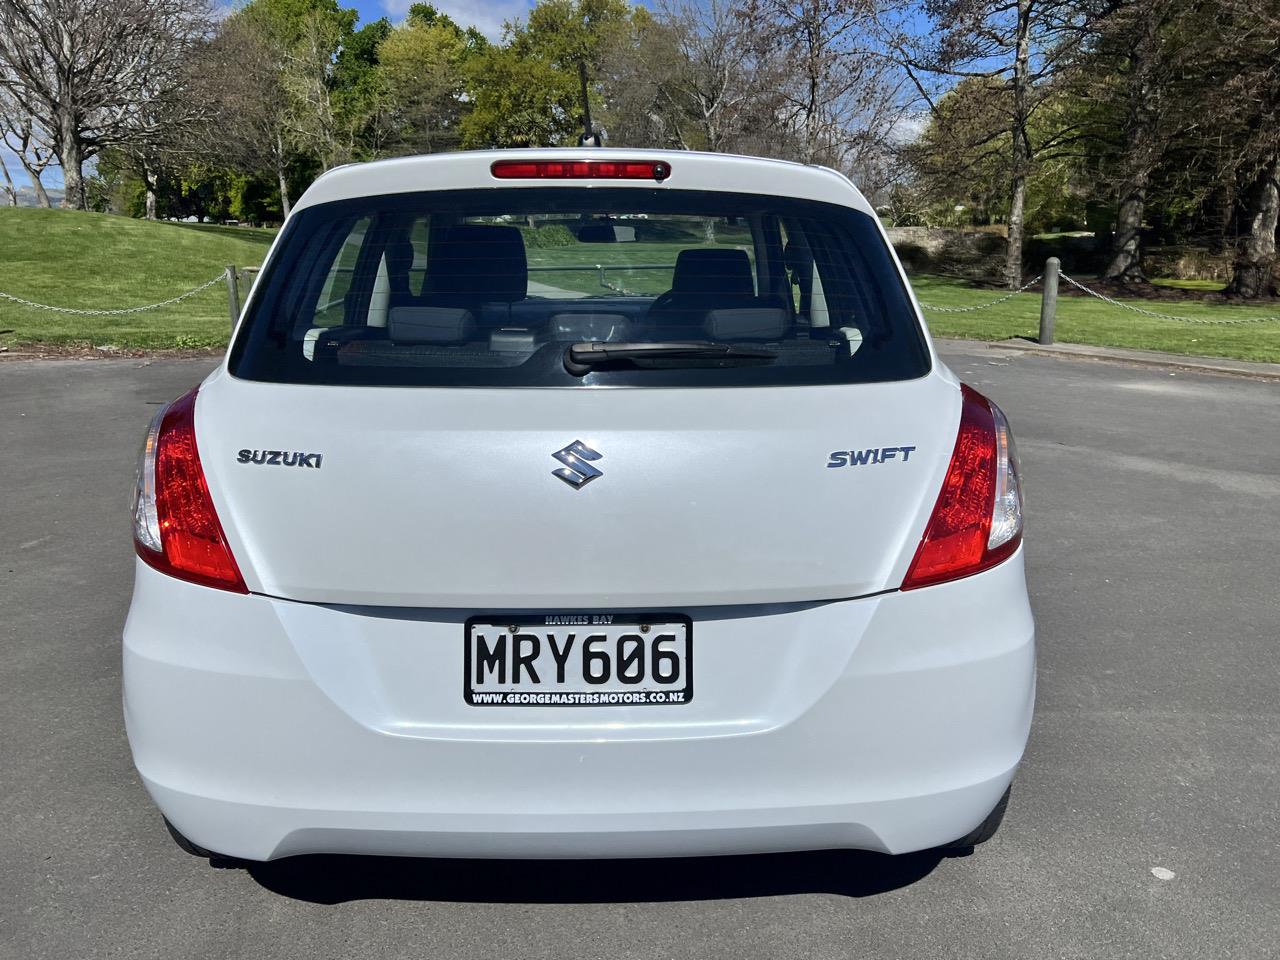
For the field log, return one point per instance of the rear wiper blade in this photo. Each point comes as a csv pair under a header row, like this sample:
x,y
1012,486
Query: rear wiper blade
x,y
581,357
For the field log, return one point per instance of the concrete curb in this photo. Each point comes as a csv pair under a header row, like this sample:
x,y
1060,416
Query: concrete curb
x,y
1140,358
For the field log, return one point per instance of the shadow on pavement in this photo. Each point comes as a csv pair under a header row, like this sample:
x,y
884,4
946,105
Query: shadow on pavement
x,y
340,879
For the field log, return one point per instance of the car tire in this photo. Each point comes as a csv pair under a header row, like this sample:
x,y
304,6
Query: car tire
x,y
984,831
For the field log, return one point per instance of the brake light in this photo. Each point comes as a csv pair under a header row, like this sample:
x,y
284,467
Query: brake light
x,y
977,521
175,527
581,170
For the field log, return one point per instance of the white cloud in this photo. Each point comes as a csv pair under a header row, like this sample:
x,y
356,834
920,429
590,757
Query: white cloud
x,y
487,16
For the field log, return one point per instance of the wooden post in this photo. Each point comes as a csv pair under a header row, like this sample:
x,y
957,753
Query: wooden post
x,y
1049,299
233,294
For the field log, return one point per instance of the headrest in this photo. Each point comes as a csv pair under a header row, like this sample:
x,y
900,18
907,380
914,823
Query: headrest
x,y
482,261
718,271
430,325
747,323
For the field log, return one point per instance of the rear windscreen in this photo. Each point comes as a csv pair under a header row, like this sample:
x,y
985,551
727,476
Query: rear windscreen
x,y
502,287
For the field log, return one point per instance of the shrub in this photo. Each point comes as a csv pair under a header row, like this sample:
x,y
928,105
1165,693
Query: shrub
x,y
549,235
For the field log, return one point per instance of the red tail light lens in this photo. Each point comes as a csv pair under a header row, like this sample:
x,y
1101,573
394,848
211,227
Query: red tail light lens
x,y
977,521
175,527
581,170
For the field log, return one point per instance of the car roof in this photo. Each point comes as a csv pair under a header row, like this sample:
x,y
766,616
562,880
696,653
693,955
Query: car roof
x,y
690,170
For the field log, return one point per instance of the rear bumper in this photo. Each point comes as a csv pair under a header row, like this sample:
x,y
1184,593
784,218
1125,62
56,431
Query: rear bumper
x,y
265,729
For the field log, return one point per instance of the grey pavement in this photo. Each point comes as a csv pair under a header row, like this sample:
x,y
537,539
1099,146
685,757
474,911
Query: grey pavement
x,y
1154,515
1138,358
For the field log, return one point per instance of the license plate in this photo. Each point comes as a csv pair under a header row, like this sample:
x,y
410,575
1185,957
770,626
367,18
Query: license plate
x,y
578,660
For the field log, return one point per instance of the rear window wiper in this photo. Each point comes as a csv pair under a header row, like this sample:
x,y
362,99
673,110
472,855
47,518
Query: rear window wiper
x,y
581,357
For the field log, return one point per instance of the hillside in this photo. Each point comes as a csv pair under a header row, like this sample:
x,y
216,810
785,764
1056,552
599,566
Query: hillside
x,y
97,261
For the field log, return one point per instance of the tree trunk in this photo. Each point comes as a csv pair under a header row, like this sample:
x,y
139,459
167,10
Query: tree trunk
x,y
1021,147
33,174
285,205
71,156
1253,272
1141,153
9,189
1125,264
42,195
151,181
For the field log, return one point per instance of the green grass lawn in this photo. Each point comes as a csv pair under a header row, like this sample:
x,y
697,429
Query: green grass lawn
x,y
1202,286
1085,320
657,261
96,261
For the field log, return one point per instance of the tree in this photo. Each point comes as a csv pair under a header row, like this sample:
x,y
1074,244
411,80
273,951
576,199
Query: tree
x,y
1013,49
527,91
9,190
90,71
725,84
1248,72
19,134
313,122
237,75
638,107
962,172
842,100
1137,74
421,69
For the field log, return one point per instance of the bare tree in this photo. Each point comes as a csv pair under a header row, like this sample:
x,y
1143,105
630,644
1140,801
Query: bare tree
x,y
725,82
90,71
19,134
237,74
9,190
842,100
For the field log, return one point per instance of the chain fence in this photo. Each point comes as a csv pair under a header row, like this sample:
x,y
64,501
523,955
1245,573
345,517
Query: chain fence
x,y
220,278
1230,321
1163,316
983,306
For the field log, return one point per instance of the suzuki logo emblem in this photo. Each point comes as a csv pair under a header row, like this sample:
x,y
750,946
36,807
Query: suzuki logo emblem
x,y
577,471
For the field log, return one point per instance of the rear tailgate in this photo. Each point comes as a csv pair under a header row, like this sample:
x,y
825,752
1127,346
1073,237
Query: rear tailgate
x,y
446,497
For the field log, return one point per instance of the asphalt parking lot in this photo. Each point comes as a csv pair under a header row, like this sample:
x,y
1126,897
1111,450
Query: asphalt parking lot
x,y
1154,517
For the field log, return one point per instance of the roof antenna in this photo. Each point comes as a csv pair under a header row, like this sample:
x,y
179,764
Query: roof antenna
x,y
590,136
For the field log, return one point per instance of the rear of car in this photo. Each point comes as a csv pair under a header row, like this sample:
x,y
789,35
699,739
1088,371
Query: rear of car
x,y
562,504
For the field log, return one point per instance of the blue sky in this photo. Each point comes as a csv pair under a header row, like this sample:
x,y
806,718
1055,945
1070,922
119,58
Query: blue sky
x,y
487,15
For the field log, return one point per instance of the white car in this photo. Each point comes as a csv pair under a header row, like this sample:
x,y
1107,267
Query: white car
x,y
587,503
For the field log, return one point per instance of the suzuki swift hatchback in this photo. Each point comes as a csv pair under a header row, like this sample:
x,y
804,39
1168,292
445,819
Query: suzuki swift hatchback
x,y
579,504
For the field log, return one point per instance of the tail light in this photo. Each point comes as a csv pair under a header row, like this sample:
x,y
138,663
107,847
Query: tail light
x,y
581,170
175,528
977,521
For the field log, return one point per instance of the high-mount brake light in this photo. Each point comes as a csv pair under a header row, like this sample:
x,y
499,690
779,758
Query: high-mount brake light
x,y
977,520
657,170
175,526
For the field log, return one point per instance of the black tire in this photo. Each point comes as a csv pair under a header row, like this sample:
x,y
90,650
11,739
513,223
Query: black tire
x,y
187,846
986,829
